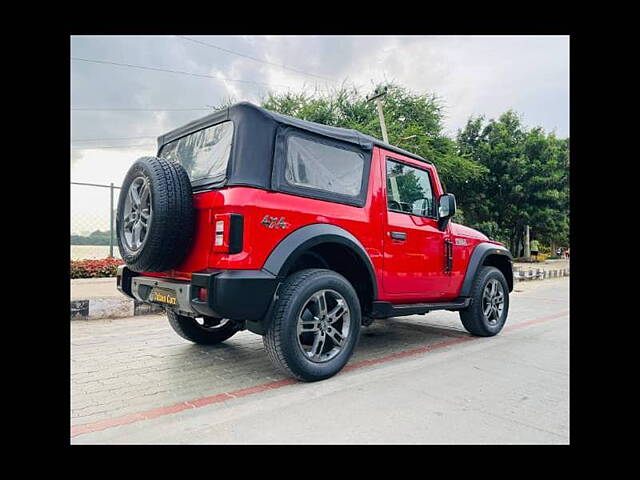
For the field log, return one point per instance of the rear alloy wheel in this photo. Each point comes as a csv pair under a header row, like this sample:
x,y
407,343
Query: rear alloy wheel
x,y
315,325
323,326
203,330
489,307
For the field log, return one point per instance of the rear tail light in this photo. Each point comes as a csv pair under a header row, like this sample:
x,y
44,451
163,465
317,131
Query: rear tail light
x,y
219,241
228,233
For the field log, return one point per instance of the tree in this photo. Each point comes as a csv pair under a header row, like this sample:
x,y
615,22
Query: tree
x,y
95,238
504,175
526,182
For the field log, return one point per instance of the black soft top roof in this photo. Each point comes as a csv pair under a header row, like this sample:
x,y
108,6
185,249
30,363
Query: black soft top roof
x,y
255,130
247,110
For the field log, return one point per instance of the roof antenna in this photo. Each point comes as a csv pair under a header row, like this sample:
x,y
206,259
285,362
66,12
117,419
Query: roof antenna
x,y
377,96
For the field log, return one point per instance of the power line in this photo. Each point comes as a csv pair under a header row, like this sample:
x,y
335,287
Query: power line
x,y
254,58
90,109
106,139
201,75
100,147
95,185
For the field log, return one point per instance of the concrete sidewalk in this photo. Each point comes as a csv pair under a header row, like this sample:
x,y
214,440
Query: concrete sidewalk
x,y
546,265
83,288
94,298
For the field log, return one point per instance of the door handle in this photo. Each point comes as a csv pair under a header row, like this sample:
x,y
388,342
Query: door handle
x,y
398,236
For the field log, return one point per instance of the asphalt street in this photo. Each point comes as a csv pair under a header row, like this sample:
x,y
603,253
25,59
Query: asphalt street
x,y
413,380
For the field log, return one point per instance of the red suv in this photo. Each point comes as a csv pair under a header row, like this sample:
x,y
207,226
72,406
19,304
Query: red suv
x,y
299,232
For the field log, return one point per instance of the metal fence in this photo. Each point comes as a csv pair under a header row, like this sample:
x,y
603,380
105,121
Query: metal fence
x,y
93,210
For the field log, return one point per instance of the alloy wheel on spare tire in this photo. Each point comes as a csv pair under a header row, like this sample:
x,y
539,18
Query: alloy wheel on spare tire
x,y
155,218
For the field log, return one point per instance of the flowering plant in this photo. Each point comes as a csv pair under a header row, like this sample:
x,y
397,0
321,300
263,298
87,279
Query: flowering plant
x,y
105,267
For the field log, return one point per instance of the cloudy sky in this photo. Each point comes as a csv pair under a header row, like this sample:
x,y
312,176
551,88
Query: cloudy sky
x,y
125,108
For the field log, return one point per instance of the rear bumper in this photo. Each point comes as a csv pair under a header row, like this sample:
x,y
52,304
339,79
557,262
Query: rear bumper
x,y
233,294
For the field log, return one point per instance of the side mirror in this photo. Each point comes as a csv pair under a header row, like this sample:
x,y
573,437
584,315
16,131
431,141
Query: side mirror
x,y
446,209
447,205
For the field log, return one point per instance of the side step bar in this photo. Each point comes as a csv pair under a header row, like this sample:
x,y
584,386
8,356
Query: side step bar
x,y
387,309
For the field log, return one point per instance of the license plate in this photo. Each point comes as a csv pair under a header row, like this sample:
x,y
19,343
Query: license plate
x,y
163,296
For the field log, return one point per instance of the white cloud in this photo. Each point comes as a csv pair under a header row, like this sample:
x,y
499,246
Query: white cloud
x,y
473,75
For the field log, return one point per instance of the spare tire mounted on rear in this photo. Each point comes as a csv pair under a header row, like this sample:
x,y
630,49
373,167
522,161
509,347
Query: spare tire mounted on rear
x,y
155,218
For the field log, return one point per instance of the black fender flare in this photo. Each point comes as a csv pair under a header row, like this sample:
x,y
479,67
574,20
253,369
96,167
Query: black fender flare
x,y
285,254
479,255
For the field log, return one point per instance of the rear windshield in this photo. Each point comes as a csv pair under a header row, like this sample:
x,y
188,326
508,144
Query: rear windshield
x,y
203,154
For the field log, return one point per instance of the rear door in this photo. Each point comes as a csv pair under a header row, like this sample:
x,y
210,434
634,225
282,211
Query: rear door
x,y
414,255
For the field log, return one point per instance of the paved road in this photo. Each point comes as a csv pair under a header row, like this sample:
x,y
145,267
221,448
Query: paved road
x,y
419,379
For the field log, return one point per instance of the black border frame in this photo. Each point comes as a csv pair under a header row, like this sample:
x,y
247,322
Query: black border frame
x,y
56,431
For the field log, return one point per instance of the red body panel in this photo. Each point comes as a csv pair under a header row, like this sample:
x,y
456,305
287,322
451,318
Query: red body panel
x,y
407,272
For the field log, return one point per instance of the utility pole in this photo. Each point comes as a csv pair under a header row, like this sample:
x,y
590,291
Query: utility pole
x,y
111,222
527,251
377,96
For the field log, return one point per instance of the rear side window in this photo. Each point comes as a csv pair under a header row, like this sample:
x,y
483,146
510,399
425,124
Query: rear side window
x,y
314,165
203,154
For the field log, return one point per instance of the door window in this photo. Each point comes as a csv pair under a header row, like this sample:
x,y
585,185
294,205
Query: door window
x,y
409,190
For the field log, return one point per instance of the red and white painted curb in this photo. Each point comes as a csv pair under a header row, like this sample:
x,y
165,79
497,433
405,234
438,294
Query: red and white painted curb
x,y
96,308
539,274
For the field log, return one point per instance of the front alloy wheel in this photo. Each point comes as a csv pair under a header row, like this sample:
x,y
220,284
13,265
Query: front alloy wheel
x,y
489,307
493,301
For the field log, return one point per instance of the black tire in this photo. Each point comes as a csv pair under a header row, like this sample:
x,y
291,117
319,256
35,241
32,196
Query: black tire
x,y
473,318
189,329
170,228
281,339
